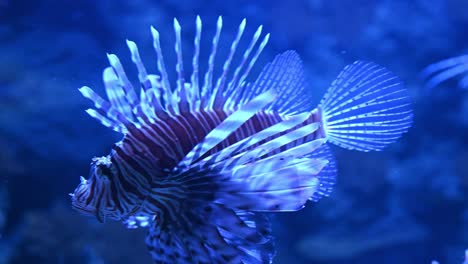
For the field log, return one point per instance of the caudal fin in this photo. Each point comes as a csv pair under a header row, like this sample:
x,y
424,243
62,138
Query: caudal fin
x,y
366,108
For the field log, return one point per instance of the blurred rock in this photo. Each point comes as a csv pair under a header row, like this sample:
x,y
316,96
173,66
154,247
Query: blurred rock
x,y
61,235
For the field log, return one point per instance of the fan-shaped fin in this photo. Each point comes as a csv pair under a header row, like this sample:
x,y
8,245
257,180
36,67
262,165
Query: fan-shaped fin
x,y
366,108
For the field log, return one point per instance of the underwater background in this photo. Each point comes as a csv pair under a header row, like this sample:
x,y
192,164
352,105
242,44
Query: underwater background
x,y
407,204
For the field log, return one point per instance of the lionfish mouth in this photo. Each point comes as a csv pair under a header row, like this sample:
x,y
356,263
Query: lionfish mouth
x,y
79,198
87,210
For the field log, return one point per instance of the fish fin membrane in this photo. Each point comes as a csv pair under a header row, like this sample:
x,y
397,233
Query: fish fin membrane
x,y
366,108
157,98
128,105
285,74
229,125
273,185
327,176
277,174
211,233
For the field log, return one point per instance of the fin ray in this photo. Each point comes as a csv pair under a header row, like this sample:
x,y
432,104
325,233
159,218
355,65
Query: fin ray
x,y
444,70
211,233
365,108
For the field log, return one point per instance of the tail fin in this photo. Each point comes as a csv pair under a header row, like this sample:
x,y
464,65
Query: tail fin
x,y
366,108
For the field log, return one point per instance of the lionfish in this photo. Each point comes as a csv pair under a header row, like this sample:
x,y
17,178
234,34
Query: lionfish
x,y
201,165
443,70
464,262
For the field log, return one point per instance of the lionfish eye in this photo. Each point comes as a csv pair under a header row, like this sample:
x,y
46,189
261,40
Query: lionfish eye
x,y
103,171
102,167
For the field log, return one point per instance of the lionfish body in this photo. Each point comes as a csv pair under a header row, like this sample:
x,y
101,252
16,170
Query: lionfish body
x,y
202,162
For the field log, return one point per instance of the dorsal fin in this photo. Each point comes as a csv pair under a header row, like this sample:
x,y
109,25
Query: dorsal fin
x,y
157,98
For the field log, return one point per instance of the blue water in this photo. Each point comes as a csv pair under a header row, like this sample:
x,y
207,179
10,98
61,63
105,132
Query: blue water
x,y
407,204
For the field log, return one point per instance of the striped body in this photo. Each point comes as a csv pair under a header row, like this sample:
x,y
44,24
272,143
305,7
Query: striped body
x,y
169,140
200,164
166,142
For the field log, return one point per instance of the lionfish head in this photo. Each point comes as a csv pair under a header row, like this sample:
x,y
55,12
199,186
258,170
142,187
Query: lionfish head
x,y
93,196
